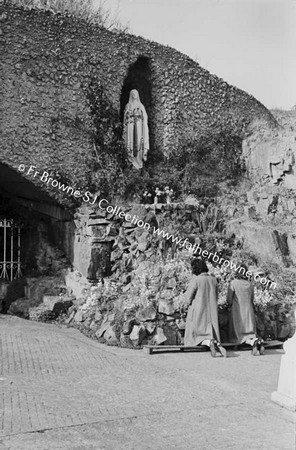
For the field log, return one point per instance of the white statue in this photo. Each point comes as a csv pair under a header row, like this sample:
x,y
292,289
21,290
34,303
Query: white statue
x,y
135,130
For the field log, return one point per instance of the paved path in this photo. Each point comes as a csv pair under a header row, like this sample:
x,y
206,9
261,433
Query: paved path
x,y
60,390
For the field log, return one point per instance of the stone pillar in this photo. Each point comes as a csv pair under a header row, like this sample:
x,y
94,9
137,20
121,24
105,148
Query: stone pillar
x,y
286,392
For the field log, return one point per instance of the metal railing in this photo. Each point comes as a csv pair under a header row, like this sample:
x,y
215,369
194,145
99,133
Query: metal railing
x,y
10,249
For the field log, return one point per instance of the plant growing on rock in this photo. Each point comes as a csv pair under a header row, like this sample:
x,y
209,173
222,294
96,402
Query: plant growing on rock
x,y
210,220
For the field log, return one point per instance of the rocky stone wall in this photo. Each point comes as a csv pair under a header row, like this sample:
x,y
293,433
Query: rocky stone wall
x,y
162,323
264,218
54,66
130,284
106,243
271,158
262,210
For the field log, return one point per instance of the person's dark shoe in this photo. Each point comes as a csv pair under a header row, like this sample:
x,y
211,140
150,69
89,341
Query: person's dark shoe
x,y
221,350
255,347
213,348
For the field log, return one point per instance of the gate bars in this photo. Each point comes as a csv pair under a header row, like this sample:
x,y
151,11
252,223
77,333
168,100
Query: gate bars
x,y
10,253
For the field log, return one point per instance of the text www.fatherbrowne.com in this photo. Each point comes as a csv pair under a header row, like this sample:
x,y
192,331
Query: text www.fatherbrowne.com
x,y
183,243
91,199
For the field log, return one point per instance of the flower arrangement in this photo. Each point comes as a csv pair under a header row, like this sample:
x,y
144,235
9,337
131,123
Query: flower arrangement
x,y
147,197
160,196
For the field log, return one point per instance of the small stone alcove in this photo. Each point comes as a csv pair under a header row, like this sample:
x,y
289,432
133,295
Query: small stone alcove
x,y
43,224
139,77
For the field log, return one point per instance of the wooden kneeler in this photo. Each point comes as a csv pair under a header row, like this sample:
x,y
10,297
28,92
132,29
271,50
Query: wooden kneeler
x,y
149,349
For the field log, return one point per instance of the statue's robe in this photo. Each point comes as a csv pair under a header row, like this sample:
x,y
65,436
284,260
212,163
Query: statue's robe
x,y
135,133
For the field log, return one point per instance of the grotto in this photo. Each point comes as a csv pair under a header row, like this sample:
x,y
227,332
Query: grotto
x,y
207,178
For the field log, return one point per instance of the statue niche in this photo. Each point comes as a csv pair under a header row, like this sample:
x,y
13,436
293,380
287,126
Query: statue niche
x,y
135,130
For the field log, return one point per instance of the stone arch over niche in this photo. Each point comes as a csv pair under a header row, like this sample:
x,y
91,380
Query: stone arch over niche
x,y
139,76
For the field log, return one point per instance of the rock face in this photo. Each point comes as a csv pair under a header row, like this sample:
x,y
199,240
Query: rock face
x,y
48,57
57,304
265,241
46,298
272,156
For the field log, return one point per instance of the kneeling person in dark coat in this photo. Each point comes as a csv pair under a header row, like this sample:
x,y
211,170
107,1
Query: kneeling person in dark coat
x,y
202,327
242,324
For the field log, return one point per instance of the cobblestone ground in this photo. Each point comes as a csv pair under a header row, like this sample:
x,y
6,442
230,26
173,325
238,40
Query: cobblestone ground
x,y
60,390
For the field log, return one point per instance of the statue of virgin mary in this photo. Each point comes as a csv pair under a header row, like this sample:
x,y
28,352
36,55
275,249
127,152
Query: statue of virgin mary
x,y
135,130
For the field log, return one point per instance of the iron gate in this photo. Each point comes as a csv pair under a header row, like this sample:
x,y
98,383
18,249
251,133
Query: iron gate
x,y
10,249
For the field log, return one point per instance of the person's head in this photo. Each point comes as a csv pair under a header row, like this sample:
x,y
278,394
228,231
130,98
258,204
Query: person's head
x,y
198,266
241,273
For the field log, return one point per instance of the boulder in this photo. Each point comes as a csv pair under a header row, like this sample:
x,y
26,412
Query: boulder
x,y
172,283
151,219
147,313
126,288
98,316
87,322
143,241
93,222
41,314
166,306
110,336
170,333
70,317
291,205
250,212
181,324
155,286
79,316
138,334
150,327
104,326
93,326
57,304
111,317
20,308
157,271
128,326
284,331
159,337
262,207
252,197
78,284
